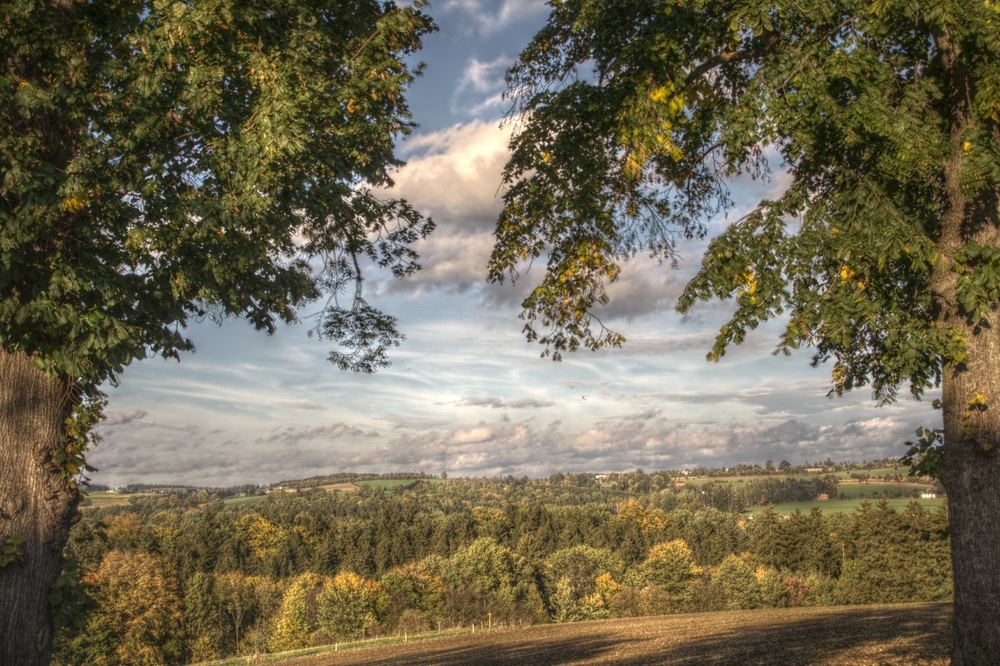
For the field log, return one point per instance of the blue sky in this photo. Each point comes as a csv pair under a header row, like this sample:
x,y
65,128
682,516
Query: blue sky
x,y
466,394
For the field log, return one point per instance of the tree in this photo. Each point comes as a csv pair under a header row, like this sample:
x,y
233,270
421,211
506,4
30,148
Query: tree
x,y
811,549
768,539
882,254
571,579
138,616
487,579
163,161
670,566
295,623
239,600
748,584
416,593
201,618
350,606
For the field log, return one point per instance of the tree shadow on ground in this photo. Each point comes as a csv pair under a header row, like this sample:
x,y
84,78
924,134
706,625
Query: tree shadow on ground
x,y
877,636
860,635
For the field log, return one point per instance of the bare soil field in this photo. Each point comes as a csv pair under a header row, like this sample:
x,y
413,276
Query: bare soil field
x,y
339,487
898,635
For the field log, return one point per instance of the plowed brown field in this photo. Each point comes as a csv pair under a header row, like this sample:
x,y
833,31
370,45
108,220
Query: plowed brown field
x,y
899,635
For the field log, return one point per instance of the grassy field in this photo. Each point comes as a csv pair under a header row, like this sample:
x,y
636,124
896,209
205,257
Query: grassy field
x,y
898,635
255,499
900,470
853,490
842,477
844,506
244,501
389,484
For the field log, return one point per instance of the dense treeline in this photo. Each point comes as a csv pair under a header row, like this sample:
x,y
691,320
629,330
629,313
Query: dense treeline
x,y
350,477
247,489
173,580
736,497
877,468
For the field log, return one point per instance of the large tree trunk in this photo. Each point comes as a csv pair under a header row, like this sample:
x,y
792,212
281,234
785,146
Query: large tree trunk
x,y
971,393
36,502
971,475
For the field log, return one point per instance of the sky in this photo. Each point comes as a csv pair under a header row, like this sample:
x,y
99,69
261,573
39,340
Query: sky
x,y
466,394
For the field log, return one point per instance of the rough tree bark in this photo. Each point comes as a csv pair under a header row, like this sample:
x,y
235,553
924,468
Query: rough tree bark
x,y
971,399
36,502
971,476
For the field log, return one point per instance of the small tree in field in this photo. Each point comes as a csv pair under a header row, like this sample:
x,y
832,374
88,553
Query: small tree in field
x,y
884,252
167,160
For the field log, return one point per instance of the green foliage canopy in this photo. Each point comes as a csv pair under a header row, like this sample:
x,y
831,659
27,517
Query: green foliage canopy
x,y
163,161
633,115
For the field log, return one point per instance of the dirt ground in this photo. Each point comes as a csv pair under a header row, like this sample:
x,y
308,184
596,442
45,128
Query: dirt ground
x,y
899,635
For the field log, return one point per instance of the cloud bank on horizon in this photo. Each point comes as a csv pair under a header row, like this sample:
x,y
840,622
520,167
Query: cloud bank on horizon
x,y
466,394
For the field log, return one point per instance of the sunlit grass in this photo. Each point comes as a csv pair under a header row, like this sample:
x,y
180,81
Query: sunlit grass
x,y
845,506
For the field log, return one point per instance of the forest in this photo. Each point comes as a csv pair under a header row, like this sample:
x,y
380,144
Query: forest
x,y
185,576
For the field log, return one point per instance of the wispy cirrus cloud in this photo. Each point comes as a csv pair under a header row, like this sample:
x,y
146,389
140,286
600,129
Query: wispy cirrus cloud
x,y
480,90
290,436
490,16
497,403
299,404
112,419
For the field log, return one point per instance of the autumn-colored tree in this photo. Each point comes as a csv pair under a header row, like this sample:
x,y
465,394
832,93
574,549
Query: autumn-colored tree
x,y
650,520
265,540
415,591
670,566
491,522
634,599
350,606
296,621
125,531
571,578
749,584
138,616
